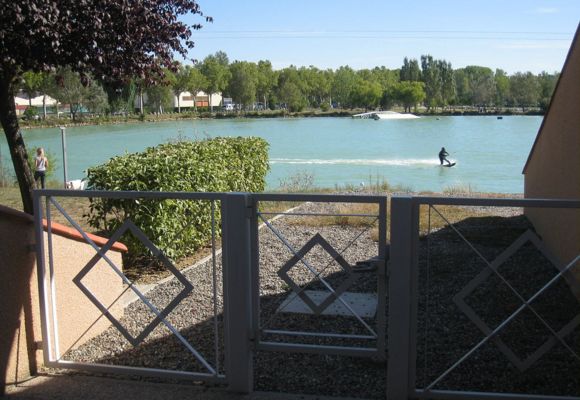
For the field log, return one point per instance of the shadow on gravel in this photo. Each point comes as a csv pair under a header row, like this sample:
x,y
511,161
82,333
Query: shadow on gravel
x,y
533,361
445,334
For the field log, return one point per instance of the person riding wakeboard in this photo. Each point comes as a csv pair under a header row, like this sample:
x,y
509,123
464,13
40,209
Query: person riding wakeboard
x,y
442,156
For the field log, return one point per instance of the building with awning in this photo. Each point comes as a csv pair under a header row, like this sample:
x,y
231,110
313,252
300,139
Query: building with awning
x,y
22,102
188,101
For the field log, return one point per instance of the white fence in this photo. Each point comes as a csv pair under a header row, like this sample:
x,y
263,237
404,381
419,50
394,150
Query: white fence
x,y
431,276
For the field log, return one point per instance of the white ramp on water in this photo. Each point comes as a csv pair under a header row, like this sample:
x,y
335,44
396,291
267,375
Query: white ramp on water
x,y
385,115
364,304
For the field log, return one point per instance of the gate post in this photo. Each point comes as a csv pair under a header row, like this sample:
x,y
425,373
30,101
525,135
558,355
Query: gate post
x,y
237,292
402,297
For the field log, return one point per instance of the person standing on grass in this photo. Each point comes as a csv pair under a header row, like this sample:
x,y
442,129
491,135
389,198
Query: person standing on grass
x,y
40,166
443,156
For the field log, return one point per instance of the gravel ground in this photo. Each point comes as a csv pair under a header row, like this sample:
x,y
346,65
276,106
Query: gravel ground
x,y
444,332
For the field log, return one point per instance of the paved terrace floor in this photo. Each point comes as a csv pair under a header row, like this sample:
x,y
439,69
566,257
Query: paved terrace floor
x,y
69,387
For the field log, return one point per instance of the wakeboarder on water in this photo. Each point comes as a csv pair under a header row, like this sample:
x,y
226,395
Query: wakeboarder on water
x,y
442,156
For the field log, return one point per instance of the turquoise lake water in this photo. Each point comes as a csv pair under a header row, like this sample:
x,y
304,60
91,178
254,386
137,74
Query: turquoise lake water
x,y
490,153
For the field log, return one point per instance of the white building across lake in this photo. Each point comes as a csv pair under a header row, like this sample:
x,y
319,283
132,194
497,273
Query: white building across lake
x,y
22,102
187,100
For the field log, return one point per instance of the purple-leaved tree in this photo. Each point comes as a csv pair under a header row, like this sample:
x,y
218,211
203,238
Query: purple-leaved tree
x,y
110,39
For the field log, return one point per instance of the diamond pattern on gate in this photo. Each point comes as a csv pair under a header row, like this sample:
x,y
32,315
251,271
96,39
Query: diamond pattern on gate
x,y
459,299
333,296
128,225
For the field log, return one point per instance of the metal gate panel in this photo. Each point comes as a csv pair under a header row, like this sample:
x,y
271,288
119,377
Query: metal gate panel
x,y
321,288
411,306
153,330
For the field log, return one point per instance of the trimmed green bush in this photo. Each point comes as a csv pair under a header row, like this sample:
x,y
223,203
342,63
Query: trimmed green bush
x,y
177,227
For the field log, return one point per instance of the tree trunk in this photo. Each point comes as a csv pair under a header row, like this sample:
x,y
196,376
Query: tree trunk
x,y
178,104
210,104
140,101
44,107
15,141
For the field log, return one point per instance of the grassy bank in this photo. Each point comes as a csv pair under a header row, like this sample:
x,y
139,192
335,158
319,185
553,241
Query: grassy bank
x,y
52,122
79,207
430,220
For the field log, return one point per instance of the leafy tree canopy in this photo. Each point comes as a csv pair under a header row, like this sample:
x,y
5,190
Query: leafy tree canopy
x,y
410,70
408,93
243,84
216,72
71,91
112,39
31,82
266,80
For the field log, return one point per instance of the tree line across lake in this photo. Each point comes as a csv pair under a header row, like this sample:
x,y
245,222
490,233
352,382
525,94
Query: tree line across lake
x,y
428,82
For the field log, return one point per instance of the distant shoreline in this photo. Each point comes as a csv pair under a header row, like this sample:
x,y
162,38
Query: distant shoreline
x,y
134,118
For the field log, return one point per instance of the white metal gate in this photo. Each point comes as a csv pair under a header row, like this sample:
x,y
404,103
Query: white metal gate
x,y
145,331
319,283
410,305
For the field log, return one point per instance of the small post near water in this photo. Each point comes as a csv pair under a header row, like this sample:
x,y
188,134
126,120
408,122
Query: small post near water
x,y
63,138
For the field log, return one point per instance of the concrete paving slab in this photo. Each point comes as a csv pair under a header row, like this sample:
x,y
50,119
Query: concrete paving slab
x,y
364,304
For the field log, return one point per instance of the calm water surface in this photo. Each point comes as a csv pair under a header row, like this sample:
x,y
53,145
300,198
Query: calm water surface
x,y
490,153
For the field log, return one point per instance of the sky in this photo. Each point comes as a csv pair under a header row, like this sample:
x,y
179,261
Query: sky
x,y
514,35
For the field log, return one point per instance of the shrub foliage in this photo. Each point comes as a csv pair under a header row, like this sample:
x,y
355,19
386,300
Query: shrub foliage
x,y
177,227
